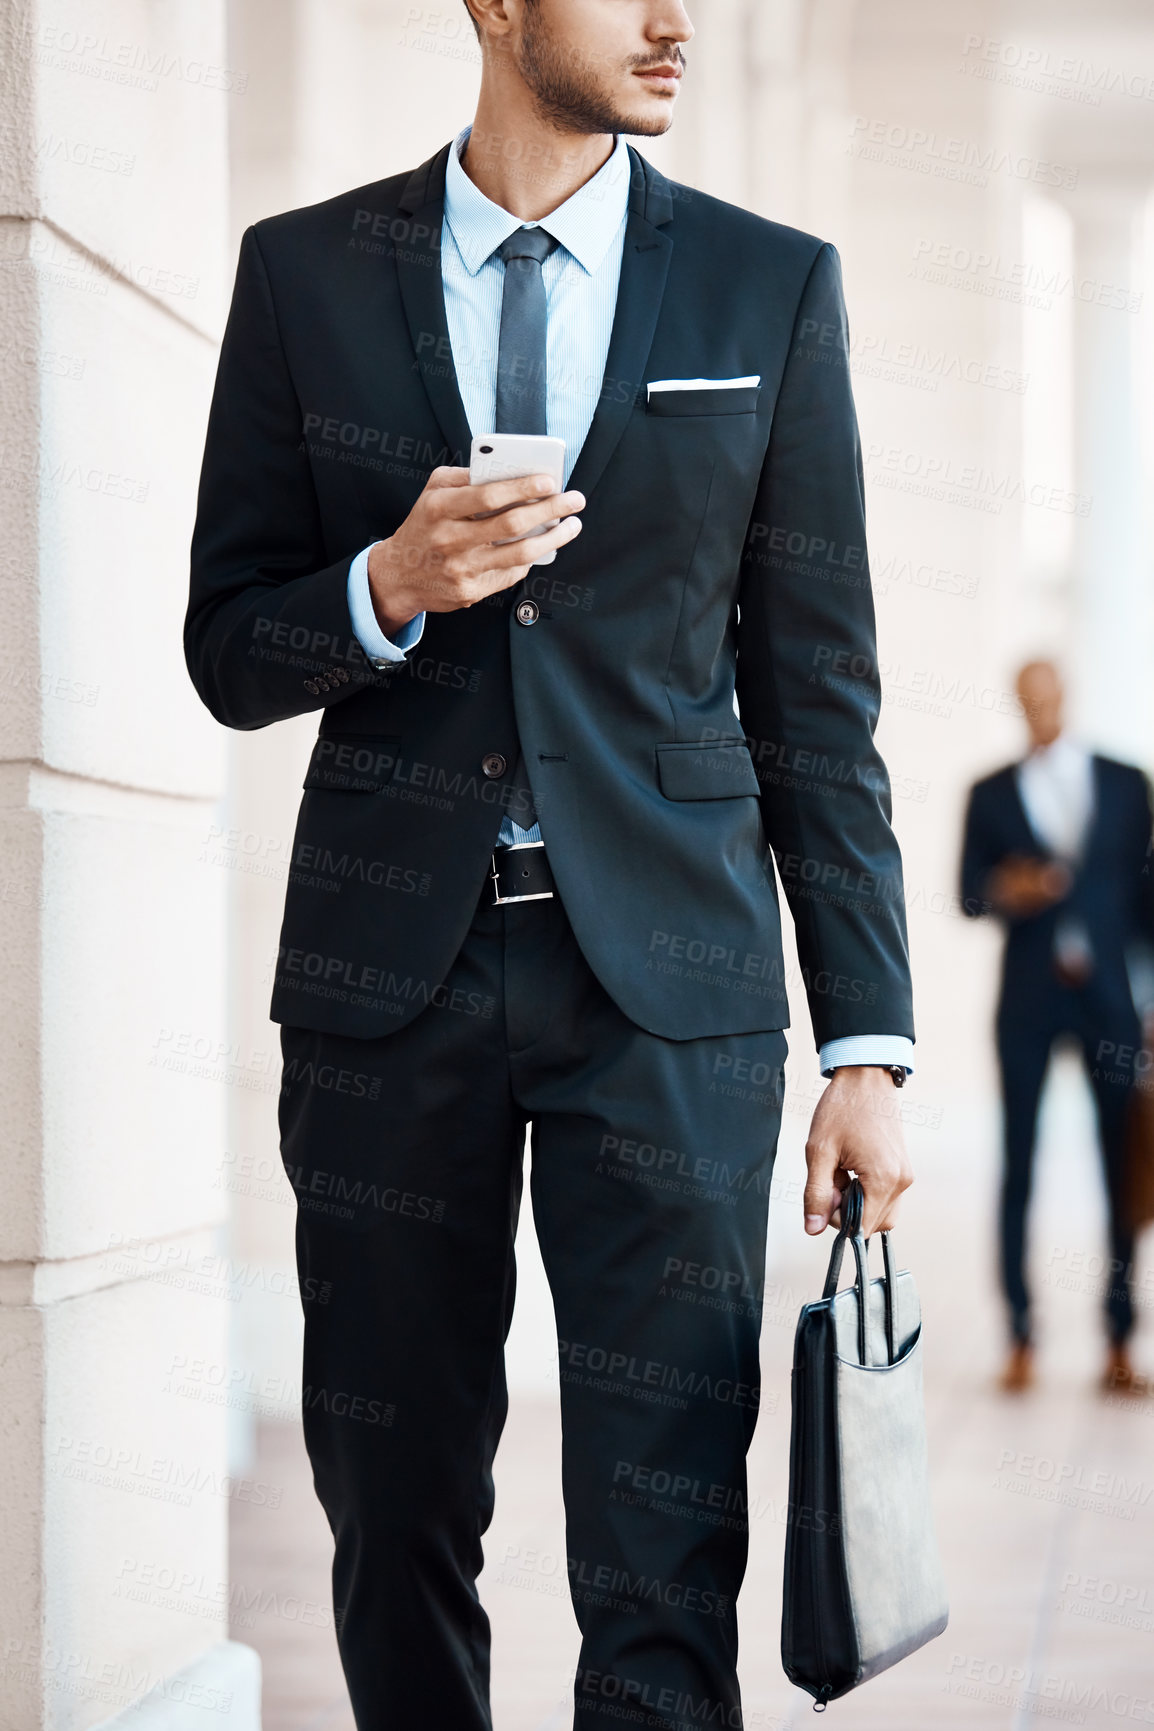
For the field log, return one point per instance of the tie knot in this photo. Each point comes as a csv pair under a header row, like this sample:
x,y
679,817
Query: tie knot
x,y
534,243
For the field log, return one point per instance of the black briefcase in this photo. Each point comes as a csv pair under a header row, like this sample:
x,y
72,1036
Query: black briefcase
x,y
863,1583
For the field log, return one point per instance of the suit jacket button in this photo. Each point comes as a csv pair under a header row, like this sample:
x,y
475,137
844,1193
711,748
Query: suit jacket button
x,y
493,764
311,685
528,613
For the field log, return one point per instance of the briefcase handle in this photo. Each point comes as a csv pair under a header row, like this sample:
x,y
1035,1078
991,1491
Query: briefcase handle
x,y
852,1210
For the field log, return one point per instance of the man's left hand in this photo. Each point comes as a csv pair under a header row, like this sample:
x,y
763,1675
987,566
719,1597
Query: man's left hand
x,y
856,1127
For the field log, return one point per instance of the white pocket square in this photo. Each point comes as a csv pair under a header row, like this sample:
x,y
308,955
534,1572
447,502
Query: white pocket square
x,y
700,384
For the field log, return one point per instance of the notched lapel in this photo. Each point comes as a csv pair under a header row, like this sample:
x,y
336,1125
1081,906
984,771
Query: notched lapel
x,y
417,254
644,269
1028,839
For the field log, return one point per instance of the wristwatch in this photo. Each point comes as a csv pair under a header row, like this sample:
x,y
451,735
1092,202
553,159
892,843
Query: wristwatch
x,y
897,1072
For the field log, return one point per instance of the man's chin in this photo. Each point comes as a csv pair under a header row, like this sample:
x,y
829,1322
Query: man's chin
x,y
650,124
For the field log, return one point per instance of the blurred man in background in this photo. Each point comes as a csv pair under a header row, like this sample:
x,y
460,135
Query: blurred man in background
x,y
1057,847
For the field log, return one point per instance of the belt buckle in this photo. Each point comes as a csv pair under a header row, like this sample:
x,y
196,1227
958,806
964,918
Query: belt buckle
x,y
501,901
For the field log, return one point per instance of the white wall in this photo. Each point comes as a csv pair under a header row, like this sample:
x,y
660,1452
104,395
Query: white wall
x,y
112,240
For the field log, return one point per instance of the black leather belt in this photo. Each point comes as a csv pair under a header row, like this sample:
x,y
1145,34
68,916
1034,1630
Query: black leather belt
x,y
521,873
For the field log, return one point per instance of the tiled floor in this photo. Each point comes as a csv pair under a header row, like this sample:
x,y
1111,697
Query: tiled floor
x,y
1045,1503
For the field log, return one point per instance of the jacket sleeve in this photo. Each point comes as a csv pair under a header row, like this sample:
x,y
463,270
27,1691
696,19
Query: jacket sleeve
x,y
1144,848
268,632
980,855
808,686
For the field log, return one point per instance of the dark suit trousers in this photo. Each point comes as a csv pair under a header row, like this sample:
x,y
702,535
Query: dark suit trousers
x,y
1025,1040
651,1163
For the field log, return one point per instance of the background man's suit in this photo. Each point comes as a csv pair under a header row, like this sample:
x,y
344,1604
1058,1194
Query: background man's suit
x,y
636,1019
1110,905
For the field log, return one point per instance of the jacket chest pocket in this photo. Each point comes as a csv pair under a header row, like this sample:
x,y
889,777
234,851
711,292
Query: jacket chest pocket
x,y
702,401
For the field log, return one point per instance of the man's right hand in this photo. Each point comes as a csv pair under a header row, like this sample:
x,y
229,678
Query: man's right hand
x,y
442,558
1022,886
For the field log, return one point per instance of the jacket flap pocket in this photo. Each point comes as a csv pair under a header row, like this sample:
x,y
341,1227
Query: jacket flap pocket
x,y
352,763
738,400
720,769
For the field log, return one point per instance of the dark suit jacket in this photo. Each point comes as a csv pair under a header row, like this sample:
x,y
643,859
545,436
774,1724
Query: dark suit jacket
x,y
1112,893
723,542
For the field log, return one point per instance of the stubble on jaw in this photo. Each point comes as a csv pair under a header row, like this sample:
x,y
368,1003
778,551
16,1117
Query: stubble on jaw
x,y
566,92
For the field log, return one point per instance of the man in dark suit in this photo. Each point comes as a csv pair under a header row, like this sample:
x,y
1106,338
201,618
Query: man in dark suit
x,y
531,878
1058,847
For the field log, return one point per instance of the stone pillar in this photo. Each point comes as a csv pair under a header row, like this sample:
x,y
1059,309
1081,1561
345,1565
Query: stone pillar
x,y
114,1391
1112,625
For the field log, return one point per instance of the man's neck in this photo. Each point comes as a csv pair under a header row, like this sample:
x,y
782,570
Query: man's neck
x,y
1061,746
531,168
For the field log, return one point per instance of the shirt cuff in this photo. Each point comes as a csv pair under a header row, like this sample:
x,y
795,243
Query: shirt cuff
x,y
368,633
867,1049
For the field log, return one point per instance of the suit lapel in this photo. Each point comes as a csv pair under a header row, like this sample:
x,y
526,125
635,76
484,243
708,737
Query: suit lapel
x,y
418,260
1021,817
1093,827
644,268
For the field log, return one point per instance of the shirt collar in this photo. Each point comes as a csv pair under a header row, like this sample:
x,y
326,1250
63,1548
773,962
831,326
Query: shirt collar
x,y
584,225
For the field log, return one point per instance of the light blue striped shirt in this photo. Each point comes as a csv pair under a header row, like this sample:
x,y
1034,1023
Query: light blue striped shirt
x,y
581,276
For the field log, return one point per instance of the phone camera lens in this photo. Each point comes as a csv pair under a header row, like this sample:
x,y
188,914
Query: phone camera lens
x,y
485,450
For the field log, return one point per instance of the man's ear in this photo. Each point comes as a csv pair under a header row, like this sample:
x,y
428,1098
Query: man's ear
x,y
490,17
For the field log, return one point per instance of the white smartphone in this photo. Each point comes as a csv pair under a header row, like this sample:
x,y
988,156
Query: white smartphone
x,y
506,457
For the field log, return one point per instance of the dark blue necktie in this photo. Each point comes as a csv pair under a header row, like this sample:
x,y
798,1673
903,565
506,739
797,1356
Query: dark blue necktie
x,y
521,347
521,395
